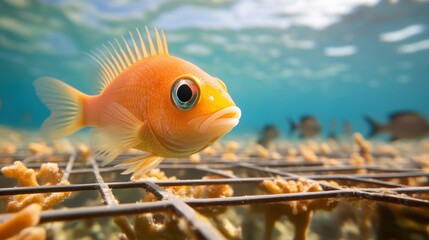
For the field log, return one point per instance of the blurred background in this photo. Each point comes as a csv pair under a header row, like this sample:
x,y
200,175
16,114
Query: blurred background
x,y
283,61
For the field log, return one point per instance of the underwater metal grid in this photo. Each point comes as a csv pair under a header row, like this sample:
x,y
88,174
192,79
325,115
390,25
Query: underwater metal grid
x,y
228,172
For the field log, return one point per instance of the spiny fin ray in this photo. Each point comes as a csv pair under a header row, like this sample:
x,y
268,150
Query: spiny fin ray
x,y
116,59
133,59
142,44
124,55
158,42
149,39
136,48
164,42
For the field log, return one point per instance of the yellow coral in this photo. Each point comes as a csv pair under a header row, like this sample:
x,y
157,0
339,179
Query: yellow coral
x,y
39,148
171,226
299,212
84,151
195,158
365,147
308,154
54,199
162,226
325,149
16,203
262,151
27,217
232,146
26,177
209,151
7,148
63,146
49,174
31,233
357,160
200,191
291,155
229,156
212,191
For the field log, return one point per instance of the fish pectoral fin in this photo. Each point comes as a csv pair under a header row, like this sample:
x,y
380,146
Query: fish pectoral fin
x,y
141,164
121,133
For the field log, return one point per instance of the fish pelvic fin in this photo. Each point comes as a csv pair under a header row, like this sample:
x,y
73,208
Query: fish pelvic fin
x,y
141,164
375,127
66,105
121,133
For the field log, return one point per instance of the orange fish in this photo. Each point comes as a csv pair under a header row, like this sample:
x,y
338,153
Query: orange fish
x,y
151,101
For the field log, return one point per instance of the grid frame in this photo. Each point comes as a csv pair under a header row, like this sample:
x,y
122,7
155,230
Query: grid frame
x,y
269,169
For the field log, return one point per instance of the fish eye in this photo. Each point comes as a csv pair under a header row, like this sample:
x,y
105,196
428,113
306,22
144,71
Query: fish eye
x,y
185,93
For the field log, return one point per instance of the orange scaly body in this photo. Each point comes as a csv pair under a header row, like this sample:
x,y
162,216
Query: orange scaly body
x,y
161,104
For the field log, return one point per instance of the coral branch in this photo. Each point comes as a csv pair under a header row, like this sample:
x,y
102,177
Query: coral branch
x,y
27,217
299,212
49,174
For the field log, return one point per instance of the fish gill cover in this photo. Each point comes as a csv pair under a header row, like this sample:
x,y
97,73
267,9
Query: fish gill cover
x,y
336,60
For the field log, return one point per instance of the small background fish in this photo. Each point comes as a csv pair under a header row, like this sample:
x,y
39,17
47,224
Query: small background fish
x,y
307,127
268,134
401,125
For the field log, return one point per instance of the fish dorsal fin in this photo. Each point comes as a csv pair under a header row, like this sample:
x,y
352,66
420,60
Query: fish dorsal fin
x,y
402,113
306,118
113,59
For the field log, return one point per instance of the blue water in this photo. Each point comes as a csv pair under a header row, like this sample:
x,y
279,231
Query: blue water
x,y
336,60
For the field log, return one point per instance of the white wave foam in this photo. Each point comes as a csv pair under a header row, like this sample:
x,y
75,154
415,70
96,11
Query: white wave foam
x,y
301,44
197,49
281,14
340,51
402,34
414,47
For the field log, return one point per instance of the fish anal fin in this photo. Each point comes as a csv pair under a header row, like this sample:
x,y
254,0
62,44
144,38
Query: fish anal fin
x,y
141,164
122,132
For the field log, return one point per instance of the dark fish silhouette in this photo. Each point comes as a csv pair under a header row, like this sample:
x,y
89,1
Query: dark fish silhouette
x,y
269,133
347,129
401,125
332,130
307,127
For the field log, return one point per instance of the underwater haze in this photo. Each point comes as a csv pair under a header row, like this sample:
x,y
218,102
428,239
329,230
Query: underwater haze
x,y
337,60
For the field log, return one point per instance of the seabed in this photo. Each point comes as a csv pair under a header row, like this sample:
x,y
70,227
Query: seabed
x,y
350,189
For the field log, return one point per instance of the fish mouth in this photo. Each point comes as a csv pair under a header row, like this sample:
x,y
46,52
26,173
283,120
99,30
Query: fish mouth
x,y
221,121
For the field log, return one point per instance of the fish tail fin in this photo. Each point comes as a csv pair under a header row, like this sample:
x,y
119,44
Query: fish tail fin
x,y
292,126
374,126
66,105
